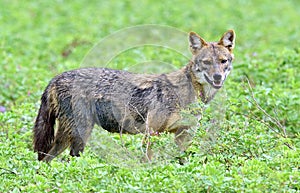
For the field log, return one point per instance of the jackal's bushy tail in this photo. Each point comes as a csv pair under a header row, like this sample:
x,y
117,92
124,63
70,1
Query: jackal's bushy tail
x,y
44,127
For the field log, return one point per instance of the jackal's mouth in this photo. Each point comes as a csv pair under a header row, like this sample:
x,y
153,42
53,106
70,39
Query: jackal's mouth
x,y
216,84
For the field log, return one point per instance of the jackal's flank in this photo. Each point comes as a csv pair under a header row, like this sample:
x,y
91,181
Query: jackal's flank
x,y
121,101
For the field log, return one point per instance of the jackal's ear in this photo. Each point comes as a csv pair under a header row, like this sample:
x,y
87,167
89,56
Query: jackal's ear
x,y
196,42
228,40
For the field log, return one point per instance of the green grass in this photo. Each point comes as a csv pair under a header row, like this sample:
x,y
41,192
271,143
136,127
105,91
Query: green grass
x,y
246,150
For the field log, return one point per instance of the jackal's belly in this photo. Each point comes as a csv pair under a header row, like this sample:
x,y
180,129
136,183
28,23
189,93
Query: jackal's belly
x,y
120,119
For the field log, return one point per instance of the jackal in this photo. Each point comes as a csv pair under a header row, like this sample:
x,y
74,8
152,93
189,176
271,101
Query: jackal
x,y
125,102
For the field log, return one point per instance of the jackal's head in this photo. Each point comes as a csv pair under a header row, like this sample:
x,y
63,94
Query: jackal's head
x,y
212,61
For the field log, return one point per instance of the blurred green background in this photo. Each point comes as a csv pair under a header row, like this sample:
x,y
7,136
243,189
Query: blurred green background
x,y
251,152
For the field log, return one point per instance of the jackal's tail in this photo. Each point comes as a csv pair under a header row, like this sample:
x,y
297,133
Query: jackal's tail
x,y
43,132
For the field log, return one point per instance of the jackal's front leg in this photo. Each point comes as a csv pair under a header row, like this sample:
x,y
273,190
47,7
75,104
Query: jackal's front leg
x,y
148,153
183,138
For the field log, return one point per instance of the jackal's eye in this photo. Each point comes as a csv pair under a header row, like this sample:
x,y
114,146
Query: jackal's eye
x,y
223,61
206,62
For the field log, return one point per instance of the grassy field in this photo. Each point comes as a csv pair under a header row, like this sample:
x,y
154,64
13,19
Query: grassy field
x,y
249,139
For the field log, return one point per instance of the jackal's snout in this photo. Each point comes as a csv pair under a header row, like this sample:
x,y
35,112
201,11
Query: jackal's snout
x,y
217,77
216,81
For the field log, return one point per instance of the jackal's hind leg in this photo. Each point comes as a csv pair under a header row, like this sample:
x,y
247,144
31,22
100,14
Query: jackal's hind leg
x,y
79,137
61,142
77,146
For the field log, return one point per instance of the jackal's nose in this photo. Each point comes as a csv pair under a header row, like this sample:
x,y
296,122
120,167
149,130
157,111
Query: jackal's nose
x,y
217,77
